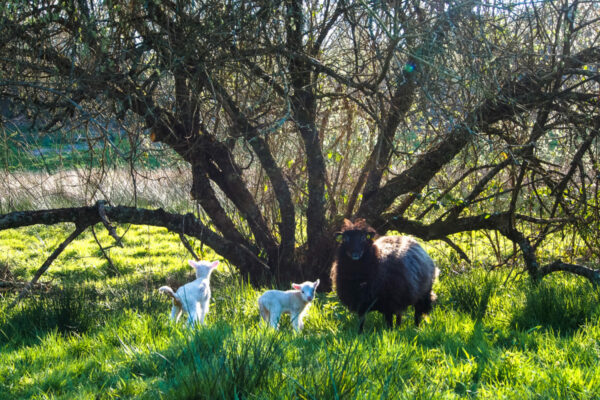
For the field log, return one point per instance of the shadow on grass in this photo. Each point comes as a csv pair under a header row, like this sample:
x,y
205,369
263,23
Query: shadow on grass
x,y
211,364
555,305
71,309
66,310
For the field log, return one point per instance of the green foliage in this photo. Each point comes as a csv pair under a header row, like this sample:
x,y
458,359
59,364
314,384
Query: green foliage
x,y
471,292
91,334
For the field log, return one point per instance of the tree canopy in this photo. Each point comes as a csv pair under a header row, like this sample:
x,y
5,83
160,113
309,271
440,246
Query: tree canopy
x,y
428,118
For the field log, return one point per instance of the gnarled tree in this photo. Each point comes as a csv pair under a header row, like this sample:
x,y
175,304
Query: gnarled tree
x,y
429,118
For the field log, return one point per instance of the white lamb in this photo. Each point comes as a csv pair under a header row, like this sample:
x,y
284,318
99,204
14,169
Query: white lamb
x,y
273,303
193,297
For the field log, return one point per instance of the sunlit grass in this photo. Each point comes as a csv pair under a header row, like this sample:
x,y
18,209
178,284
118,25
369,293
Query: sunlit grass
x,y
96,334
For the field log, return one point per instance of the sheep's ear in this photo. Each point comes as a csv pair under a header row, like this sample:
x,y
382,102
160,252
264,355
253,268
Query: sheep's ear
x,y
214,264
317,283
296,286
192,263
370,235
339,237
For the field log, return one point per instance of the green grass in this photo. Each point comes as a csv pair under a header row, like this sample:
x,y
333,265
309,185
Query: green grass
x,y
99,334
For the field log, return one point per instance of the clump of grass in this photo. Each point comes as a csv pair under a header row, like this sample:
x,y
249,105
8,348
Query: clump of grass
x,y
341,377
68,310
471,292
212,365
560,303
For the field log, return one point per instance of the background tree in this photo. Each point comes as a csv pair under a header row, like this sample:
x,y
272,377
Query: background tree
x,y
429,118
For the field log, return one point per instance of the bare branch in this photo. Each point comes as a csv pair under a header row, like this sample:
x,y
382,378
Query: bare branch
x,y
188,246
78,230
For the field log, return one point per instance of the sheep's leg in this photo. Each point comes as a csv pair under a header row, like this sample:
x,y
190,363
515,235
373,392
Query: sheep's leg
x,y
389,319
422,306
361,322
398,319
176,312
201,311
418,317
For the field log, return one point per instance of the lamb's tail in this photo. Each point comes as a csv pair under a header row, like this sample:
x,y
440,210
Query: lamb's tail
x,y
169,292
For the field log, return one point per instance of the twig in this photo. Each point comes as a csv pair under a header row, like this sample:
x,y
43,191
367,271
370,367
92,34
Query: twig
x,y
111,230
188,246
78,230
454,246
104,253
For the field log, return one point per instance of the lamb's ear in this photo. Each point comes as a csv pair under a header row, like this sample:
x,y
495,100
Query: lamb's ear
x,y
214,264
317,283
339,237
192,263
296,286
370,235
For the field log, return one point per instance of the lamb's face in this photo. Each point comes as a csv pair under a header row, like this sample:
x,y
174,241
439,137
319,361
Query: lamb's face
x,y
355,242
307,289
203,268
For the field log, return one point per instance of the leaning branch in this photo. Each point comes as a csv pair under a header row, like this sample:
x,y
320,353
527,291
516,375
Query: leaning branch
x,y
188,246
78,230
457,249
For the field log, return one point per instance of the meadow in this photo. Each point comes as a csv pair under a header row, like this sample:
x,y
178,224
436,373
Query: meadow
x,y
101,330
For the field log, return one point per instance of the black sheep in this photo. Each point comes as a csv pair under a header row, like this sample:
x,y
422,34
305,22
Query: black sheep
x,y
386,274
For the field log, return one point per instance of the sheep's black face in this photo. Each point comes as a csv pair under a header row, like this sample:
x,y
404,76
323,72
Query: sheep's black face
x,y
354,243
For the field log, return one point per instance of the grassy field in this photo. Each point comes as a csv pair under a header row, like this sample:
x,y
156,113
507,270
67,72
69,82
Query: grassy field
x,y
102,331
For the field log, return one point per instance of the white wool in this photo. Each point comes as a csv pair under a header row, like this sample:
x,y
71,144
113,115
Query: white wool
x,y
273,303
193,298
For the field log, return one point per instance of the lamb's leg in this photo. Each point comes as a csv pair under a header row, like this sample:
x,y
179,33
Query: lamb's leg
x,y
175,312
274,318
192,316
203,310
200,313
297,322
264,313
